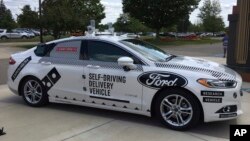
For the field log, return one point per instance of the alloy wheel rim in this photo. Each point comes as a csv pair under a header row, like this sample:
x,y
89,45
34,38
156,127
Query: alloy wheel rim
x,y
176,110
32,91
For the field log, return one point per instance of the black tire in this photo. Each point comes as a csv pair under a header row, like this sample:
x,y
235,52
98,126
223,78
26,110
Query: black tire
x,y
4,38
24,37
196,109
44,96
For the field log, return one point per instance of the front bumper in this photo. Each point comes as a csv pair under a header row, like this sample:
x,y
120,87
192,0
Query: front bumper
x,y
219,111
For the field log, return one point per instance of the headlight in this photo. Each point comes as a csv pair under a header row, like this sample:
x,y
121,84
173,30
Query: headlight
x,y
213,83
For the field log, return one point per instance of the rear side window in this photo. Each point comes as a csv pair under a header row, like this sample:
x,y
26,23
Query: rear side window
x,y
100,51
68,50
44,49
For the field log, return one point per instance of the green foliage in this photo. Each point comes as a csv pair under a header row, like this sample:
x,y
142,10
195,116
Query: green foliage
x,y
102,27
70,15
157,14
196,28
125,23
28,18
210,16
6,19
183,24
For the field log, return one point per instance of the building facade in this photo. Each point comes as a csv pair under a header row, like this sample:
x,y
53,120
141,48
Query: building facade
x,y
239,39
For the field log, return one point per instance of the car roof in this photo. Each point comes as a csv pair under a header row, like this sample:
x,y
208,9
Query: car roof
x,y
102,37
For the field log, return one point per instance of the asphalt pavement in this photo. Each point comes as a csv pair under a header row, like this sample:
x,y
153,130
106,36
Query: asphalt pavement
x,y
3,70
204,50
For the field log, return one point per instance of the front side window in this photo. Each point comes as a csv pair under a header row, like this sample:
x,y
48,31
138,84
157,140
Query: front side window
x,y
100,51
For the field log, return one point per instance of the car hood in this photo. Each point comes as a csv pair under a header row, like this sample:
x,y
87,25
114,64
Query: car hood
x,y
200,65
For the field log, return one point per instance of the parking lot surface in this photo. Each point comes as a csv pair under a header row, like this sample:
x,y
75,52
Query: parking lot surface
x,y
76,123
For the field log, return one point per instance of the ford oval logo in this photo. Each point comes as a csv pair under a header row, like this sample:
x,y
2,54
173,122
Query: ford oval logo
x,y
158,80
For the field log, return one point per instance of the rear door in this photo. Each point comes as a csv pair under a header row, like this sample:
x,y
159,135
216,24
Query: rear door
x,y
14,34
64,69
107,83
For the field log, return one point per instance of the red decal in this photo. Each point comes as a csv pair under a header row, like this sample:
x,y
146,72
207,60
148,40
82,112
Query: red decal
x,y
67,49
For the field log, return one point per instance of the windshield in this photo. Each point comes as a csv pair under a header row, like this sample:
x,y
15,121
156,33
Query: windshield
x,y
149,51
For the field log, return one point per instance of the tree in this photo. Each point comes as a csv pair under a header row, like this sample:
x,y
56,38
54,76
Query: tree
x,y
125,23
210,16
102,27
6,19
198,27
70,15
28,18
157,14
183,24
2,8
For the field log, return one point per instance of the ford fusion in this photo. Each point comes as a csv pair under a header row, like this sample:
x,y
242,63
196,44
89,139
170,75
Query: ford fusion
x,y
126,75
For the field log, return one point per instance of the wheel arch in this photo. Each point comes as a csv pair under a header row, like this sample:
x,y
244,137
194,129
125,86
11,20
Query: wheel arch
x,y
24,36
4,36
153,102
22,80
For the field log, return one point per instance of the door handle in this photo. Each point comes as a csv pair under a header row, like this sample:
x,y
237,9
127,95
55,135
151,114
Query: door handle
x,y
46,63
93,67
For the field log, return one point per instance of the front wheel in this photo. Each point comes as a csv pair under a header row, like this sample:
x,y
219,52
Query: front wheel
x,y
33,92
24,37
177,109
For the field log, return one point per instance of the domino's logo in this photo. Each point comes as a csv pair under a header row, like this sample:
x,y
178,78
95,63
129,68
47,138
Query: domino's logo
x,y
50,79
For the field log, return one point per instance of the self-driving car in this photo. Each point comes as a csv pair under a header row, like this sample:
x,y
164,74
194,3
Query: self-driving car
x,y
127,75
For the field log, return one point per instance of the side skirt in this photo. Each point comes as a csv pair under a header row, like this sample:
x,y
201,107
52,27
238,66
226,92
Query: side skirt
x,y
93,105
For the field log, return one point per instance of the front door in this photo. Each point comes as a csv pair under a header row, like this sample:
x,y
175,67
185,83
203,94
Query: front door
x,y
107,83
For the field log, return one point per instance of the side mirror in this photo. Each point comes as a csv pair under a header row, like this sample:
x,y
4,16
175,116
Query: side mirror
x,y
127,63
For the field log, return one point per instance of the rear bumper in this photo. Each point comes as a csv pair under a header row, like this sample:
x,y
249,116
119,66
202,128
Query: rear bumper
x,y
13,90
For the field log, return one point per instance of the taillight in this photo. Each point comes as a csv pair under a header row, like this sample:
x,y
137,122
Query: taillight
x,y
12,61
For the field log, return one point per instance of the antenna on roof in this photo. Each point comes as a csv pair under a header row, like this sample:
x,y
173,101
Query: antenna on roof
x,y
91,28
111,29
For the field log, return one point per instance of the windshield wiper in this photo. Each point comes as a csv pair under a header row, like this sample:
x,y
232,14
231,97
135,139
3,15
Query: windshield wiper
x,y
170,58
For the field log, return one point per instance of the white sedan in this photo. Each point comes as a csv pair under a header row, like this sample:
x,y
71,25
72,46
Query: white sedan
x,y
126,75
13,34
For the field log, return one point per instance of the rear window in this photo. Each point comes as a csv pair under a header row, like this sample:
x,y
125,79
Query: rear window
x,y
1,31
44,49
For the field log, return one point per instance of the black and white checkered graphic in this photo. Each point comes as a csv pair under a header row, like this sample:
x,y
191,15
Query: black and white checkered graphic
x,y
73,62
219,75
50,79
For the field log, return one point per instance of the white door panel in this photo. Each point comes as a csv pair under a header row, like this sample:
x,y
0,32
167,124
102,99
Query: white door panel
x,y
65,63
113,86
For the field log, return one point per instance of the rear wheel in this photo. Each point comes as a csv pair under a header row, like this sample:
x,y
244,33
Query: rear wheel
x,y
177,109
33,92
4,37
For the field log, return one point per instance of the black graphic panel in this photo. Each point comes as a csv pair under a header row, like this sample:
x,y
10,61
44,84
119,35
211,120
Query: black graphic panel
x,y
212,100
20,68
158,80
212,93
